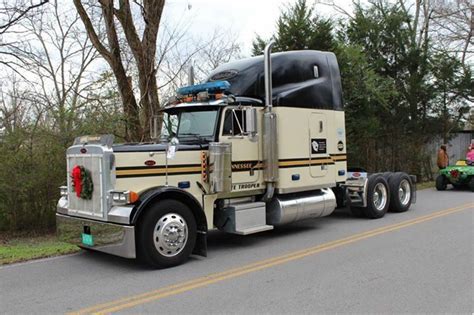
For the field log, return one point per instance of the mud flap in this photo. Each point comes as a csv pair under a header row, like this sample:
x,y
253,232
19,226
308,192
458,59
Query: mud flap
x,y
200,248
413,181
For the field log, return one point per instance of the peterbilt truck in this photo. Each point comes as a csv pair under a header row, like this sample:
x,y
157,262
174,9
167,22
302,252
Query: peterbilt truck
x,y
261,143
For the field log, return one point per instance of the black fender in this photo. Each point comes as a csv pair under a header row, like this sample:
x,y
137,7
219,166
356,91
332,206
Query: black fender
x,y
155,194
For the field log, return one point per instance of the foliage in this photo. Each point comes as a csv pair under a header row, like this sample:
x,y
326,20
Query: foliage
x,y
428,92
400,91
299,28
33,161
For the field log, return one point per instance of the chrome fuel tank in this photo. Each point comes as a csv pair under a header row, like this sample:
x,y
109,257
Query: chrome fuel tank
x,y
284,209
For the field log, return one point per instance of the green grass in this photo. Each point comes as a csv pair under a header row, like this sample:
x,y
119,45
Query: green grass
x,y
425,185
24,248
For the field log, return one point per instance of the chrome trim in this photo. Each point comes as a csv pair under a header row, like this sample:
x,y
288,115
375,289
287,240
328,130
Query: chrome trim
x,y
268,74
100,161
304,188
270,148
109,238
404,192
380,196
284,209
62,205
220,167
120,214
356,191
170,234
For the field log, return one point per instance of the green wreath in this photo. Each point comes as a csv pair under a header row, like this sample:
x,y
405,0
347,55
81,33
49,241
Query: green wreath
x,y
82,183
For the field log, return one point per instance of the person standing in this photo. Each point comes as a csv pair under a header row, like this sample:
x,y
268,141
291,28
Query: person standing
x,y
443,158
470,154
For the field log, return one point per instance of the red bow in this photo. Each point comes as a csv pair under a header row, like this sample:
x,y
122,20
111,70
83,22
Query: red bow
x,y
77,180
454,173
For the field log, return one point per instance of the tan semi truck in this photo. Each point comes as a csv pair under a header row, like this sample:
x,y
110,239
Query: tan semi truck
x,y
238,153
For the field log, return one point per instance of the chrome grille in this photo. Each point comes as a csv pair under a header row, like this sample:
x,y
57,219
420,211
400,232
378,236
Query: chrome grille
x,y
81,207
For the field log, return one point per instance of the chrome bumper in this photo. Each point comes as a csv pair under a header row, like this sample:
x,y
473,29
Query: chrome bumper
x,y
109,238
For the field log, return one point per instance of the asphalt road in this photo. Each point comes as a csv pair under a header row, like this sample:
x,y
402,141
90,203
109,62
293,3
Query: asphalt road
x,y
421,261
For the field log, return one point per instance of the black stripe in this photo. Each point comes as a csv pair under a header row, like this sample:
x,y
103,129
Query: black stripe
x,y
304,159
156,175
157,167
306,165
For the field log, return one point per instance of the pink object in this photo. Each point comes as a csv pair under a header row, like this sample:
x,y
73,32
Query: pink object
x,y
470,155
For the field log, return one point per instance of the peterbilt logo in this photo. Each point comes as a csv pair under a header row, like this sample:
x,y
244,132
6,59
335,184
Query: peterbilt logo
x,y
224,75
150,162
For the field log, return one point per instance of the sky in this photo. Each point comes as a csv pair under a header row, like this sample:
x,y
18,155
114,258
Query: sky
x,y
244,18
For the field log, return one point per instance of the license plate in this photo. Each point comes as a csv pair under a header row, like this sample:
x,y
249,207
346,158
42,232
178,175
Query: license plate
x,y
87,239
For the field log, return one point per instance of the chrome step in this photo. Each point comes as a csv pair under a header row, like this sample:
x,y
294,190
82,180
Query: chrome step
x,y
243,218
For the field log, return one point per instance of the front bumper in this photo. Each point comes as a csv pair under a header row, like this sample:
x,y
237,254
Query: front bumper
x,y
109,238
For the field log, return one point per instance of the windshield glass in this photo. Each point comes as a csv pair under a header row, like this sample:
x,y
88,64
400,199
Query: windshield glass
x,y
190,124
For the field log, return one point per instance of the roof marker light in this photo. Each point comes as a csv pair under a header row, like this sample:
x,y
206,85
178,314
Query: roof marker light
x,y
210,87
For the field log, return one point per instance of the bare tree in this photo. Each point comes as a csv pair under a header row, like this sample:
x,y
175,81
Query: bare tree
x,y
11,14
143,50
55,58
203,55
453,27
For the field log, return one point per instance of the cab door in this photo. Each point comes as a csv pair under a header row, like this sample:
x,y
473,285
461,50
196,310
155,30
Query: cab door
x,y
318,151
246,156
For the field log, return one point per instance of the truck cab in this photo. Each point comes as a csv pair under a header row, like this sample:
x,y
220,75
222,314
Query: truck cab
x,y
238,153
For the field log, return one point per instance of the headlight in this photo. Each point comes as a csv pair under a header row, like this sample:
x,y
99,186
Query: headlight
x,y
123,197
63,191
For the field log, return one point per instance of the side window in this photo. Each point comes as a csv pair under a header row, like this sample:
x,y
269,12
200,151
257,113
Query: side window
x,y
234,122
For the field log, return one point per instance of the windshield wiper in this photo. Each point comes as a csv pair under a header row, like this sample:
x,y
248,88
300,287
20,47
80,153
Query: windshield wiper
x,y
195,135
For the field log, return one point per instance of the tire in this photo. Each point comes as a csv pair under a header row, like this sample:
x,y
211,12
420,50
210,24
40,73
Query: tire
x,y
401,192
471,184
378,197
441,183
159,250
387,175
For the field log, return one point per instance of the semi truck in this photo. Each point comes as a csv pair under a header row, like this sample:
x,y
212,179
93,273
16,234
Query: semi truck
x,y
260,144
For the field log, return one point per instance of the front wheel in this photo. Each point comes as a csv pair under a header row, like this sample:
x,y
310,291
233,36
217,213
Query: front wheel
x,y
166,234
471,184
441,182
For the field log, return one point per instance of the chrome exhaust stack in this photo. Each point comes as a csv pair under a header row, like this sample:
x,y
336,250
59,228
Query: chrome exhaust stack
x,y
270,148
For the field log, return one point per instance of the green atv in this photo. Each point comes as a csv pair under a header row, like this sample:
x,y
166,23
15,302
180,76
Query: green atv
x,y
459,175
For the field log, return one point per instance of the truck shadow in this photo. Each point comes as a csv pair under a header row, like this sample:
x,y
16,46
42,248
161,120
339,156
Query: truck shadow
x,y
220,242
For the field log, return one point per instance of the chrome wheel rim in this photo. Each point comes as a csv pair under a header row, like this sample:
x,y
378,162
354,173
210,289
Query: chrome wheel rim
x,y
404,192
170,234
380,196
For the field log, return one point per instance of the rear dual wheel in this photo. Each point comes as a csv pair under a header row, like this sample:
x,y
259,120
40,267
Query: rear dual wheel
x,y
378,197
385,191
401,192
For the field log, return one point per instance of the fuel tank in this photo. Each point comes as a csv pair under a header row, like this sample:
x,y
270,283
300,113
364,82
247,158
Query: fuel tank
x,y
284,209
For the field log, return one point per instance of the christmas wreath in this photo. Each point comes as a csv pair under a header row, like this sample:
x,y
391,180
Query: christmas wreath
x,y
82,183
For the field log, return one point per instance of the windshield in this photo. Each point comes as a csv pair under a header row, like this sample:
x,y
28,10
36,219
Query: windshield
x,y
198,125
